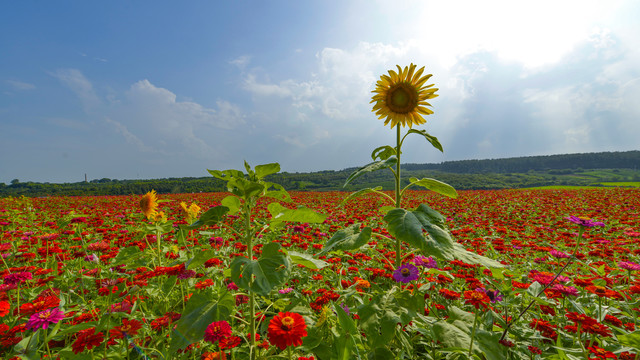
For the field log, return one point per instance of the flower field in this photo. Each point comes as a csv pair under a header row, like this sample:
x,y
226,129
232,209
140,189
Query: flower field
x,y
96,278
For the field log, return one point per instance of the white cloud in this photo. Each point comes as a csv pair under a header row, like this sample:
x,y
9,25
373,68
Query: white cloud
x,y
241,61
20,85
80,85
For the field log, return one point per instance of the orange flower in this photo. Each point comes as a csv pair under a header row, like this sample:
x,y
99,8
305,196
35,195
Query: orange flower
x,y
286,329
149,204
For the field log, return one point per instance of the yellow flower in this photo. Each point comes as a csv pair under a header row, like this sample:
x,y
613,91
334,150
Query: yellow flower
x,y
190,212
159,217
149,204
401,97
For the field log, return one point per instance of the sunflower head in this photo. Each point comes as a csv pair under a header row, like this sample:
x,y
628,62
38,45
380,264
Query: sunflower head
x,y
149,204
401,97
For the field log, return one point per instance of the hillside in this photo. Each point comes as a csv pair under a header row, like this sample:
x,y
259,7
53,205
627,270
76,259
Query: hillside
x,y
588,169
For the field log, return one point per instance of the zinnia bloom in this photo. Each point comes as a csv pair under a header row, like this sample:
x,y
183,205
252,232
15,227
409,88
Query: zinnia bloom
x,y
4,308
43,319
583,221
406,273
87,339
400,98
149,204
217,331
128,328
476,298
286,329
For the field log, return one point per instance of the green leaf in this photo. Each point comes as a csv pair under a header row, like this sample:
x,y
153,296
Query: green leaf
x,y
125,255
434,185
226,175
210,217
408,225
534,289
381,353
306,260
169,284
380,317
362,192
432,139
233,203
280,213
383,153
374,166
452,334
267,169
347,239
262,275
201,310
200,258
244,188
460,253
631,339
347,325
279,194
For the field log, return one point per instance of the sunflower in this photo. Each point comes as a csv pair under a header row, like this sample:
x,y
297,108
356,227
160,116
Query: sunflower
x,y
149,204
401,97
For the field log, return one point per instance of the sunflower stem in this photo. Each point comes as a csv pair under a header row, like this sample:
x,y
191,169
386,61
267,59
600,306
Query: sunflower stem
x,y
252,310
398,194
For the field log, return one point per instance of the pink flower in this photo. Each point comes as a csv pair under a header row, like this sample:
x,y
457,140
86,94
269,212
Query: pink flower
x,y
43,319
18,277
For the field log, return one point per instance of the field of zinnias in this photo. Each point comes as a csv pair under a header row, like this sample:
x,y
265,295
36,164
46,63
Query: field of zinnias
x,y
83,278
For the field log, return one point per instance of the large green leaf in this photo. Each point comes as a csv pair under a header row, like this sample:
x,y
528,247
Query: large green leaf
x,y
347,325
210,217
434,185
379,319
244,188
233,203
460,253
306,260
201,310
226,175
408,225
383,152
280,213
279,193
431,139
267,169
347,239
270,270
374,166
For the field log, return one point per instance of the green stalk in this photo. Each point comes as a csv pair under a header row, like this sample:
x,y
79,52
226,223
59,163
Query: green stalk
x,y
252,296
473,332
158,235
398,196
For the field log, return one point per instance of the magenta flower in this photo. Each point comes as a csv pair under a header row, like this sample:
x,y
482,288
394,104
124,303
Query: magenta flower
x,y
559,254
424,261
583,221
565,289
406,273
285,290
17,277
43,319
629,265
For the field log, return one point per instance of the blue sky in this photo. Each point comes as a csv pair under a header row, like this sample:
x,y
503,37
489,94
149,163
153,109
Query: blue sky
x,y
155,89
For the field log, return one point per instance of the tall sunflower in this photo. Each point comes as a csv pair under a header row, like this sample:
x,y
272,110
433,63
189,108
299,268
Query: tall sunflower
x,y
149,204
401,97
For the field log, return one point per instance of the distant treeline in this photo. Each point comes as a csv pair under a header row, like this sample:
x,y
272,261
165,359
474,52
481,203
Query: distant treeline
x,y
571,169
601,160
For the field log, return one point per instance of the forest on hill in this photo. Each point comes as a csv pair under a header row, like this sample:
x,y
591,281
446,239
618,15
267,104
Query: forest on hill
x,y
586,169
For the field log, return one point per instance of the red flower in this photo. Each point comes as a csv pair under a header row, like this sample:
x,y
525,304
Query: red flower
x,y
128,327
449,294
476,298
217,331
4,308
286,329
87,339
601,353
230,342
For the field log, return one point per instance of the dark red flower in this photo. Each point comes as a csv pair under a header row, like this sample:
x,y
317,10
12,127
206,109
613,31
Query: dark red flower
x,y
87,340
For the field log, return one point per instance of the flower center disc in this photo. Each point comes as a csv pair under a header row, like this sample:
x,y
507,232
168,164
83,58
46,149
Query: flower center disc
x,y
402,98
406,272
287,323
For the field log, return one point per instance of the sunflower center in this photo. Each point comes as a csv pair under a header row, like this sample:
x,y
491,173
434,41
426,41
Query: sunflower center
x,y
402,98
287,323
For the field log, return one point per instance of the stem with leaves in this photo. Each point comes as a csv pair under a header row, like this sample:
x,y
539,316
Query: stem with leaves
x,y
398,194
252,296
